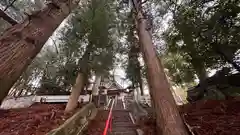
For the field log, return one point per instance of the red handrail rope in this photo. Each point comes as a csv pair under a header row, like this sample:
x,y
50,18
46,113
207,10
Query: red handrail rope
x,y
109,119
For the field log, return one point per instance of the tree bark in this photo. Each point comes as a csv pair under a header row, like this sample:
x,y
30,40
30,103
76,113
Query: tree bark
x,y
20,44
141,88
95,90
199,68
81,80
168,118
7,18
75,93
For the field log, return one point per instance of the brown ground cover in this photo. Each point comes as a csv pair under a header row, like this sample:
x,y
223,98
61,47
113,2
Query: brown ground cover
x,y
38,119
210,117
97,125
213,117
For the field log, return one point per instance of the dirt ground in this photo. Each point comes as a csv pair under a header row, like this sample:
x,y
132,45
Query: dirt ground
x,y
97,125
35,120
148,125
213,117
209,117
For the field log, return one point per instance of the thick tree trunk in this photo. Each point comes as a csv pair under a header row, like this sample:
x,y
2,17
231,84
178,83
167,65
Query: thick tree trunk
x,y
20,44
202,76
168,118
95,90
75,93
83,77
200,69
141,88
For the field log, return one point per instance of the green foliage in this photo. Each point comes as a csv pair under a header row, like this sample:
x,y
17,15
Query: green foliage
x,y
178,69
205,34
133,67
86,44
91,45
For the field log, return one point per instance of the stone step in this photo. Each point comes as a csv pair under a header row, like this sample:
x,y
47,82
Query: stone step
x,y
129,132
123,133
121,121
123,125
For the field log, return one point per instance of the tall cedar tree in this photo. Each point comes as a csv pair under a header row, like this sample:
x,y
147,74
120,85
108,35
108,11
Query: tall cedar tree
x,y
168,118
20,44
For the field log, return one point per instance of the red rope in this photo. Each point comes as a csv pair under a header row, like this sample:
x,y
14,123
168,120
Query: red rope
x,y
108,122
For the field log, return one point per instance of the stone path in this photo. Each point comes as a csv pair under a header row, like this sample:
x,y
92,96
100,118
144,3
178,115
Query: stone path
x,y
122,123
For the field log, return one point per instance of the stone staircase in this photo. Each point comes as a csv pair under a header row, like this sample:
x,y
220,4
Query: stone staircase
x,y
121,121
128,100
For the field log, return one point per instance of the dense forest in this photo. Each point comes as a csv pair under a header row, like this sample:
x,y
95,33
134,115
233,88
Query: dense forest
x,y
58,47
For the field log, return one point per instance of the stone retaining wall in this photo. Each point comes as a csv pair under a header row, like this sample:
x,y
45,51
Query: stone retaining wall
x,y
78,122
